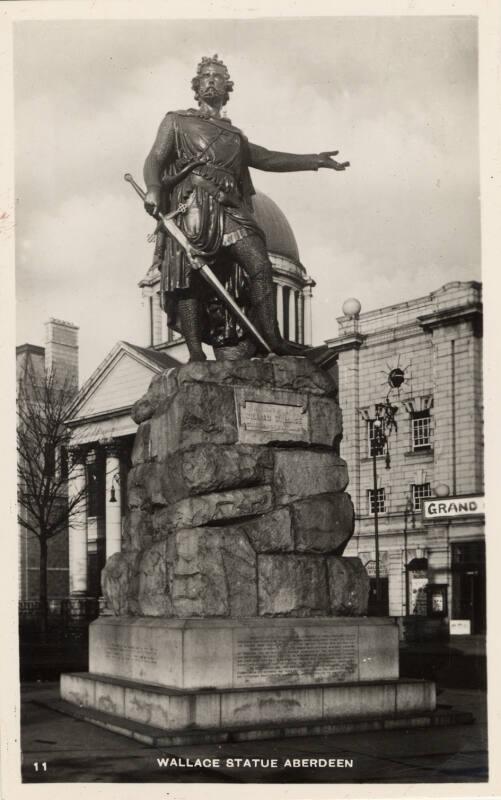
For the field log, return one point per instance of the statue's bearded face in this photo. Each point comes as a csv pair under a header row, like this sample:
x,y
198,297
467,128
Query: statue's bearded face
x,y
212,83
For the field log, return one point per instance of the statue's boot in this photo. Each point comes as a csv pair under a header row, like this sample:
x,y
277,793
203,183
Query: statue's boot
x,y
189,316
263,303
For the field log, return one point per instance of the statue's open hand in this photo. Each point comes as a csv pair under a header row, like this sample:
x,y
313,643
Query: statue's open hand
x,y
325,160
152,201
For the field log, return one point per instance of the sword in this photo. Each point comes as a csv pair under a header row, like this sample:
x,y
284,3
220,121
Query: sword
x,y
198,264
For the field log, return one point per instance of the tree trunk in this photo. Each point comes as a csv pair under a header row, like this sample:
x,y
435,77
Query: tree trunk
x,y
44,615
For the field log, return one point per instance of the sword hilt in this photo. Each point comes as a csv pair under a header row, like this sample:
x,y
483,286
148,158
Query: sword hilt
x,y
128,177
181,209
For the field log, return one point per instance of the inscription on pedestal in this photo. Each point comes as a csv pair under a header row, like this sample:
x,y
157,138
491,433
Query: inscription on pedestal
x,y
284,417
127,653
298,656
272,417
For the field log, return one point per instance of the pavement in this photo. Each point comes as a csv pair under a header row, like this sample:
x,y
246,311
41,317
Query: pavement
x,y
77,751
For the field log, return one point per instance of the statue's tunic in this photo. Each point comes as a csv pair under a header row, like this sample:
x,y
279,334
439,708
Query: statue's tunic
x,y
218,192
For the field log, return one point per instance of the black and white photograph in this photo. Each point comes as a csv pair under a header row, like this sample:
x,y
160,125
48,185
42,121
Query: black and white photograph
x,y
247,541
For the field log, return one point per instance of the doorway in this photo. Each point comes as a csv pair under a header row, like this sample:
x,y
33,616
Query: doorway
x,y
468,584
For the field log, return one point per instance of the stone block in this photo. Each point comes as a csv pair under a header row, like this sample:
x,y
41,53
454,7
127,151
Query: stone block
x,y
359,701
211,468
292,585
153,708
141,450
326,421
212,508
138,530
137,649
271,532
300,374
208,657
172,711
143,483
274,706
201,469
197,414
201,572
161,387
119,582
110,698
415,696
154,583
348,586
302,473
243,371
78,690
323,523
379,653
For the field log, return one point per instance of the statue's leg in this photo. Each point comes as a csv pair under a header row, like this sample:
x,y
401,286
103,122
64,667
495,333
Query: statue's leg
x,y
250,252
189,317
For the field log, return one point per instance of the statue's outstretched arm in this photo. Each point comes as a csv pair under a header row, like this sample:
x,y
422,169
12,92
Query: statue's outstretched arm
x,y
156,161
274,161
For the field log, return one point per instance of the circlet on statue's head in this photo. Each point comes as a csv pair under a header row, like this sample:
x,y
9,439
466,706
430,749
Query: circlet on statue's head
x,y
216,62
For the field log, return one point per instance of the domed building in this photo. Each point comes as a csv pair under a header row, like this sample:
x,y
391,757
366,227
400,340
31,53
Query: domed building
x,y
99,418
293,287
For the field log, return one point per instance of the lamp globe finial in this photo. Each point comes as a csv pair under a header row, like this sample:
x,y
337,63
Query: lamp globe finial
x,y
352,308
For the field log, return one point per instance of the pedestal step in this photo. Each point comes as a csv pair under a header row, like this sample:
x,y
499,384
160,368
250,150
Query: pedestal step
x,y
360,720
255,712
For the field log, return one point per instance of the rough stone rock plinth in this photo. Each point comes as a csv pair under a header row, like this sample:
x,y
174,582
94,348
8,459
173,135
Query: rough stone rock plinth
x,y
237,502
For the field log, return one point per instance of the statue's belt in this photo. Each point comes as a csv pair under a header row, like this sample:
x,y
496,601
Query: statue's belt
x,y
225,198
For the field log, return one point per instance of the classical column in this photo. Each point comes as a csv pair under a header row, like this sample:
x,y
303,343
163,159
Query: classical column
x,y
113,501
300,316
280,308
77,528
292,315
147,313
308,321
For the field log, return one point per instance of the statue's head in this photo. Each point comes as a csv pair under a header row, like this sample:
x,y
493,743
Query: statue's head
x,y
212,80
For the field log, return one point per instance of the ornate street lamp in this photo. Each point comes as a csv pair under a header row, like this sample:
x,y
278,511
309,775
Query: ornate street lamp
x,y
382,423
409,509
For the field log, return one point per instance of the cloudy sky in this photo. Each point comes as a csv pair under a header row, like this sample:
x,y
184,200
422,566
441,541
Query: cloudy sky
x,y
396,95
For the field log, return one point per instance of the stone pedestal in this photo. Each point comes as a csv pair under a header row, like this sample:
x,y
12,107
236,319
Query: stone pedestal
x,y
209,677
233,605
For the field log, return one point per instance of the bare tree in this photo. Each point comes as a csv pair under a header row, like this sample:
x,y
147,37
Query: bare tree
x,y
44,466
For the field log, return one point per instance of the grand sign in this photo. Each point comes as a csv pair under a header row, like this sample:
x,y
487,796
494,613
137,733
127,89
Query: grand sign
x,y
450,507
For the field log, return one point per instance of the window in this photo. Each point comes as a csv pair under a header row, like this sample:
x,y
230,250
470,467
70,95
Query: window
x,y
421,430
379,447
419,492
380,499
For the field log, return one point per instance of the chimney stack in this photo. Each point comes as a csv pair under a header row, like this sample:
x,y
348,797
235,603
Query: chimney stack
x,y
61,350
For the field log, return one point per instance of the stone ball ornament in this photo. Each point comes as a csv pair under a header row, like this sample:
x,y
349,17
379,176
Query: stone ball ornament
x,y
352,307
442,490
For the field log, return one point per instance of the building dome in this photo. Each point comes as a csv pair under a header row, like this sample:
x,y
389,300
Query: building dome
x,y
279,236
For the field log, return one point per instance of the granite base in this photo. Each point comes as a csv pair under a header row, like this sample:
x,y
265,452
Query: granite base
x,y
200,715
244,653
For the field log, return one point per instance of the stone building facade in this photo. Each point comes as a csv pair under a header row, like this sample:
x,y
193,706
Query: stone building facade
x,y
437,448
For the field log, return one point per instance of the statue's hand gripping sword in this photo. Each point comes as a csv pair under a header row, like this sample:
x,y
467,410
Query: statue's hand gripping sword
x,y
198,264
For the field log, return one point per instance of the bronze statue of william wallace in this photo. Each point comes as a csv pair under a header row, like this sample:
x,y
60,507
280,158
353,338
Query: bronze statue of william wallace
x,y
201,160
